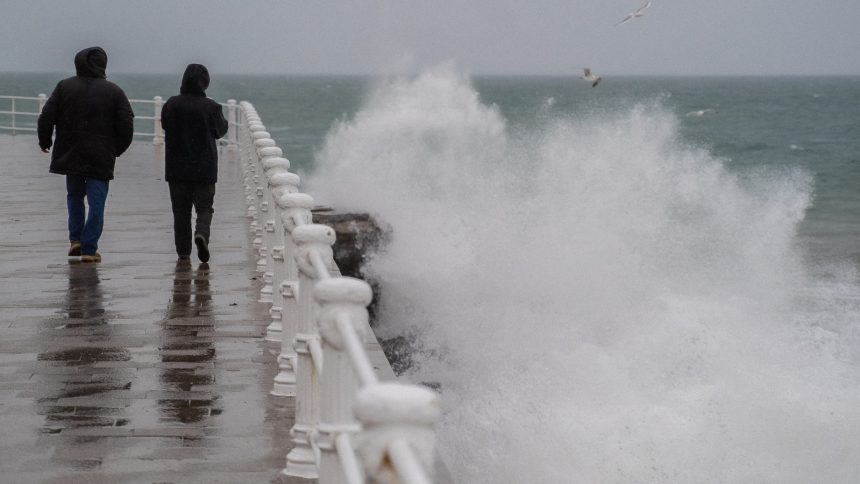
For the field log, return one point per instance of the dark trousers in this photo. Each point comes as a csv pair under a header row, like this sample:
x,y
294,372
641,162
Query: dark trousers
x,y
184,195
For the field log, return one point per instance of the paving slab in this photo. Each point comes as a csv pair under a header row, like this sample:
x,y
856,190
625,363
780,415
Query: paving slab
x,y
137,369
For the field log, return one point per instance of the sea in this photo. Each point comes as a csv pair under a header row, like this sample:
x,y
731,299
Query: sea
x,y
650,280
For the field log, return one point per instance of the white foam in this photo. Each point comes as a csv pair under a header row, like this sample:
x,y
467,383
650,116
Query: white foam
x,y
599,302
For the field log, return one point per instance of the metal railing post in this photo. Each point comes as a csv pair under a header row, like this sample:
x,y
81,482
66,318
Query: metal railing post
x,y
158,133
43,98
232,120
13,116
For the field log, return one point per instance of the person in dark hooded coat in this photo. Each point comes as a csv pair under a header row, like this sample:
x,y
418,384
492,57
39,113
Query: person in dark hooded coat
x,y
192,122
94,125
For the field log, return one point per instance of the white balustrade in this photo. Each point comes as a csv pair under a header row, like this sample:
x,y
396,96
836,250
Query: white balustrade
x,y
349,428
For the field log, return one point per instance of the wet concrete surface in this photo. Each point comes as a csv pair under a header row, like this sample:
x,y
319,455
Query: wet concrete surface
x,y
137,369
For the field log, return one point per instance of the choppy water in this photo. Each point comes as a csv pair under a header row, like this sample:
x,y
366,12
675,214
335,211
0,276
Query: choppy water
x,y
607,288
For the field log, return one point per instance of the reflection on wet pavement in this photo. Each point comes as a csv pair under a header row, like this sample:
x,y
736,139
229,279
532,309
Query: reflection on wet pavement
x,y
137,369
187,313
70,399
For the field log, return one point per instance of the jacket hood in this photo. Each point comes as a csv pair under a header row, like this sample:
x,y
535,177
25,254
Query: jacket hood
x,y
91,62
195,80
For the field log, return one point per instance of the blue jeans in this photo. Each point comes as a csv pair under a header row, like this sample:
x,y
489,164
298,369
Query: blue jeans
x,y
83,226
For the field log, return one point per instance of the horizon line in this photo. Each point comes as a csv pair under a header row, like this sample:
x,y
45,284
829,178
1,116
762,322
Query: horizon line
x,y
470,74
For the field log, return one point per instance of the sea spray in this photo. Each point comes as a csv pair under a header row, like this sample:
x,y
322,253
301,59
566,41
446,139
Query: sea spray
x,y
599,302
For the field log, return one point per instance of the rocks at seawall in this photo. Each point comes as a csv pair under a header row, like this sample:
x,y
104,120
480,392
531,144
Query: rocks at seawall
x,y
359,236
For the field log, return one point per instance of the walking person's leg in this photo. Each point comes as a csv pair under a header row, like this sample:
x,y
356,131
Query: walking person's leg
x,y
97,191
75,193
181,200
204,198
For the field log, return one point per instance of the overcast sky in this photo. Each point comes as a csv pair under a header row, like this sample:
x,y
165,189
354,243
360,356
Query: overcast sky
x,y
677,37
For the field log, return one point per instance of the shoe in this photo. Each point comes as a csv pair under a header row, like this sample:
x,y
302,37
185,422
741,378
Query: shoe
x,y
91,257
75,249
202,248
184,257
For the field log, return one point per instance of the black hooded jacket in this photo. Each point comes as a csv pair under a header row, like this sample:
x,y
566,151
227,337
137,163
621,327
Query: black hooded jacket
x,y
192,122
93,119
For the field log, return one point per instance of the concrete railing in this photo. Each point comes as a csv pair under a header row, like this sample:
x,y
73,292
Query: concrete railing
x,y
349,427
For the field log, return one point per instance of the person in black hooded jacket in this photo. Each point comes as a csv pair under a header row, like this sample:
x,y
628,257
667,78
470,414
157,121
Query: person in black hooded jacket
x,y
94,125
192,122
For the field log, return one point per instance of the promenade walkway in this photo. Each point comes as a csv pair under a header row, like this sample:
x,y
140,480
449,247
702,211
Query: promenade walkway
x,y
136,369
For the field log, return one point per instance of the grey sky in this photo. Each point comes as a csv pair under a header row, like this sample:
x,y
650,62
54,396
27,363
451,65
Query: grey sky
x,y
481,36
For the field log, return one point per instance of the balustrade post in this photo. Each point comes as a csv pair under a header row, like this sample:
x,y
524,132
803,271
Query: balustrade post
x,y
258,225
301,460
252,124
397,431
268,152
338,297
13,116
158,133
295,211
251,176
266,228
280,181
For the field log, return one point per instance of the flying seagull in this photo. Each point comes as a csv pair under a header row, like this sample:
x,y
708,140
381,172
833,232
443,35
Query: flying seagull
x,y
700,112
635,14
588,76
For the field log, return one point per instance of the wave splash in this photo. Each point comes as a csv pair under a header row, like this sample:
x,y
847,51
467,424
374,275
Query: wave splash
x,y
599,301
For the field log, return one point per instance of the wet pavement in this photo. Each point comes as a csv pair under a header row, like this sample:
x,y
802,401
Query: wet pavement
x,y
137,369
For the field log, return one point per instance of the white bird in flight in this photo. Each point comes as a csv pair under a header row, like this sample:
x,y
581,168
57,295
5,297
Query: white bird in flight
x,y
700,112
635,14
588,76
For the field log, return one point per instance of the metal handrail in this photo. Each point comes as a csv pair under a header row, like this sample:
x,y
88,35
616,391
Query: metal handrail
x,y
19,113
20,97
156,133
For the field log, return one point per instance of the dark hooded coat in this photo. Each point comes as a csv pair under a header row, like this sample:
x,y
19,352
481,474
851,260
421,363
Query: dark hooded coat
x,y
92,117
192,122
